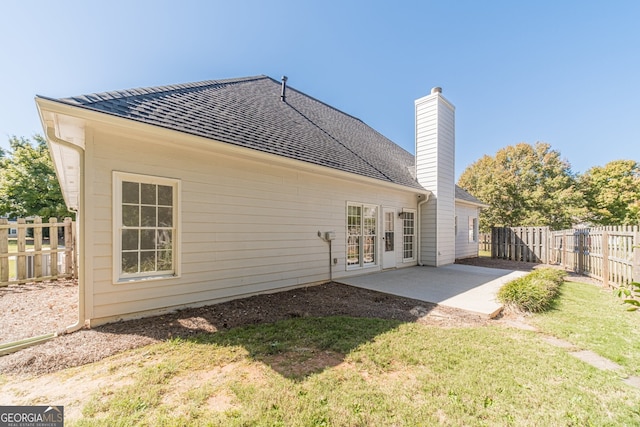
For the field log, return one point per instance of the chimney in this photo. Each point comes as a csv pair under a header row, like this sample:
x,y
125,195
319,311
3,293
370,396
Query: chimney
x,y
283,95
435,171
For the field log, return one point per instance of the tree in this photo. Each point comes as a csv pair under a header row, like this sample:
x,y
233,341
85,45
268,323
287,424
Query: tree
x,y
525,185
612,193
28,183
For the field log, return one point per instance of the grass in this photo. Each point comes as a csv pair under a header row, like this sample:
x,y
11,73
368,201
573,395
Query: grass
x,y
592,318
341,371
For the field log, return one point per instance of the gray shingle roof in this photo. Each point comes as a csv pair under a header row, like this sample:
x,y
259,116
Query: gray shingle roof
x,y
462,194
250,113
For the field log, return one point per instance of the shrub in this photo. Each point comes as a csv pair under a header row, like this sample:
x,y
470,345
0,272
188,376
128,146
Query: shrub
x,y
533,292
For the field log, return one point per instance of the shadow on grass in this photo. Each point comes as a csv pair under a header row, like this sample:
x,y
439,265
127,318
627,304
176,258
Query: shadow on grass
x,y
298,348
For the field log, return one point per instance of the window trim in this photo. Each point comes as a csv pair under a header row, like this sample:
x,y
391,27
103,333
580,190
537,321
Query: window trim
x,y
361,263
473,229
414,212
118,179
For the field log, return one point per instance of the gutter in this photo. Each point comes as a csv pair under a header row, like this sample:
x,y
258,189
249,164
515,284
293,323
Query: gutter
x,y
420,203
80,235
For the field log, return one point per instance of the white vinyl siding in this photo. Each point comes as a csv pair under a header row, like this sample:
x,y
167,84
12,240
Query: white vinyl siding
x,y
466,247
246,226
408,235
362,235
145,226
435,170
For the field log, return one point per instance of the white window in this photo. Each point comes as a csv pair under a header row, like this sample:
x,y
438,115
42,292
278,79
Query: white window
x,y
473,229
408,235
361,235
146,222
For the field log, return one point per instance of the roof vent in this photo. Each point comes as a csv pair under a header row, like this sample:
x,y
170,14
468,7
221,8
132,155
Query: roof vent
x,y
283,95
436,90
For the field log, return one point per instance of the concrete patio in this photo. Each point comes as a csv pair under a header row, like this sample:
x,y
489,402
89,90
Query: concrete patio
x,y
465,287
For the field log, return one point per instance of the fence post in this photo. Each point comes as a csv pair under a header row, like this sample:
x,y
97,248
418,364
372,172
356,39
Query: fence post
x,y
564,250
53,244
21,263
545,241
68,246
4,253
37,248
494,243
635,269
605,257
580,252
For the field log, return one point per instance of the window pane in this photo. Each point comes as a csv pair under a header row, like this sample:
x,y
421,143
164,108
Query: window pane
x,y
353,250
369,250
147,261
165,217
165,195
130,216
129,240
147,239
164,239
165,260
130,262
148,194
130,192
147,213
148,217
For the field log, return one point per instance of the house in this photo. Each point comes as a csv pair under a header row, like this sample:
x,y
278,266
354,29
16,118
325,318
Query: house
x,y
12,233
193,194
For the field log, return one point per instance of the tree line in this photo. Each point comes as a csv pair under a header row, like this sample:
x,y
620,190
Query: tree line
x,y
28,183
531,185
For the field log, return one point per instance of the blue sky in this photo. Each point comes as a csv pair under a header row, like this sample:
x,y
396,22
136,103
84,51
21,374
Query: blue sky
x,y
563,72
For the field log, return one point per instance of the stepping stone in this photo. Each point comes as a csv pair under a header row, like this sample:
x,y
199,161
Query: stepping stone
x,y
596,360
557,342
632,381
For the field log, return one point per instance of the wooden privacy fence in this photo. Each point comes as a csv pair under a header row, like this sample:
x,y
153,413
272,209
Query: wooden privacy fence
x,y
609,254
528,244
37,258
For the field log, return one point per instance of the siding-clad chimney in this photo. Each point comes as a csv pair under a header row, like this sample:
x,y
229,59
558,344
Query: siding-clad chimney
x,y
435,170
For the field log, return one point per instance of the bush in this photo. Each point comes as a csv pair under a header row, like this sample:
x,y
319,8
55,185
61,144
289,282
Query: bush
x,y
533,292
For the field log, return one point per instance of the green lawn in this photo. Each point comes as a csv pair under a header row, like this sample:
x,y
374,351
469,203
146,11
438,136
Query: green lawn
x,y
593,319
341,371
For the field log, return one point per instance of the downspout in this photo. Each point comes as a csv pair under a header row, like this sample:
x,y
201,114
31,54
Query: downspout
x,y
420,203
80,235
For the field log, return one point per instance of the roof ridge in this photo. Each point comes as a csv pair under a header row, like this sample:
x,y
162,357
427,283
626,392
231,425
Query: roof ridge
x,y
96,97
320,101
326,132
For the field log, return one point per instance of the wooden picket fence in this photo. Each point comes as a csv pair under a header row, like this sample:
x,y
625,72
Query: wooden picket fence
x,y
46,260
